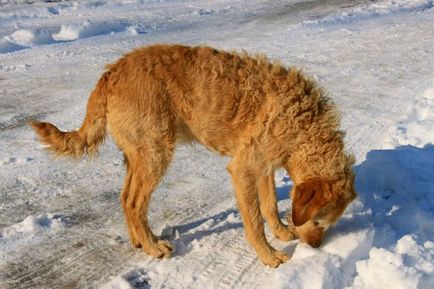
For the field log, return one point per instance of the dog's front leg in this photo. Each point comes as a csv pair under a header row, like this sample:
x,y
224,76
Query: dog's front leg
x,y
269,210
244,179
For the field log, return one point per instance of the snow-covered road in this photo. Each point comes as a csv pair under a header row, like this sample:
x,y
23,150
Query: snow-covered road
x,y
61,224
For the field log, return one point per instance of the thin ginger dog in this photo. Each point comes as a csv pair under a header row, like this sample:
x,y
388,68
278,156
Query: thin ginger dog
x,y
261,114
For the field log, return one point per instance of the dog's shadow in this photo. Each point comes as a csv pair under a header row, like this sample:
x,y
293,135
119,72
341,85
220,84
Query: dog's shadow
x,y
221,222
199,229
395,195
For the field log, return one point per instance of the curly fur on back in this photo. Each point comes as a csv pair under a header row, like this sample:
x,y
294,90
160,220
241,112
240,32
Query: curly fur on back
x,y
258,112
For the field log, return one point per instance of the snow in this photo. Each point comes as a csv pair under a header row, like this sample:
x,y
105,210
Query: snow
x,y
416,127
400,185
31,226
376,9
24,38
29,231
135,278
408,266
61,224
87,29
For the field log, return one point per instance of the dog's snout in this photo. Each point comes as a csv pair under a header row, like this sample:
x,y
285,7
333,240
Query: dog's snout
x,y
312,237
315,243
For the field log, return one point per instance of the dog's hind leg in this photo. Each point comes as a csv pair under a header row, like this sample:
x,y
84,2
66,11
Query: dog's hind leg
x,y
244,179
269,210
124,198
146,166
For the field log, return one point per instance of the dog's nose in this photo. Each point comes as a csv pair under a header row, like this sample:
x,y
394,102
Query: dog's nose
x,y
314,239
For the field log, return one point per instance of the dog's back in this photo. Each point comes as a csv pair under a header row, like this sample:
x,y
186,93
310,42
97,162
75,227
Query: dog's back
x,y
211,96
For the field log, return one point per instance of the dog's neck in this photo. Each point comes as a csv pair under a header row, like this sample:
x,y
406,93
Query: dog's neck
x,y
314,157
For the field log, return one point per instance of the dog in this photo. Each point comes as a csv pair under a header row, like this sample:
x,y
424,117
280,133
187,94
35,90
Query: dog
x,y
261,114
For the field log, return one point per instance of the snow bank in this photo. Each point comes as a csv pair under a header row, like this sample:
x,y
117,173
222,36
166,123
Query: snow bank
x,y
375,9
315,272
402,178
29,38
397,187
407,266
22,38
25,38
87,29
331,266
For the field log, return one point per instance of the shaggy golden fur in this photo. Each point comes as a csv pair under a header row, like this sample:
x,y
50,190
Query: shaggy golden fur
x,y
259,113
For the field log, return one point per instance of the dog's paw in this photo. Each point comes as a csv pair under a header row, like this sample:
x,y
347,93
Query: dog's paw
x,y
274,259
285,233
159,249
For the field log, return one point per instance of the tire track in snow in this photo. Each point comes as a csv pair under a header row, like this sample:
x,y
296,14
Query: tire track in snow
x,y
84,270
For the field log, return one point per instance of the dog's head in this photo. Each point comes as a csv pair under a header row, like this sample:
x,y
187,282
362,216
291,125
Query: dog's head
x,y
318,204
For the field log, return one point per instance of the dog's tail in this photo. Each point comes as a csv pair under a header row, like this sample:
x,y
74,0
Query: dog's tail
x,y
89,136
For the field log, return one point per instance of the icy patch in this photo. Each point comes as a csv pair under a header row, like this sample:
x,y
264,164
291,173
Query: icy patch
x,y
408,266
376,9
417,128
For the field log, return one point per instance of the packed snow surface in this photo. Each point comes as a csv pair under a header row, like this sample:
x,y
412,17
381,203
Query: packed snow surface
x,y
61,225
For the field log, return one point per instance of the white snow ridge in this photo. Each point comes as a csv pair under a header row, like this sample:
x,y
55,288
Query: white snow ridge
x,y
61,222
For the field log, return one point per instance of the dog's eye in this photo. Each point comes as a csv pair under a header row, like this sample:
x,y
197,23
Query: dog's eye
x,y
316,223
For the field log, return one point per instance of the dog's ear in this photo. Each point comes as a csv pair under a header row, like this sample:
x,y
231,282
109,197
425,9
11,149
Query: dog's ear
x,y
309,197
